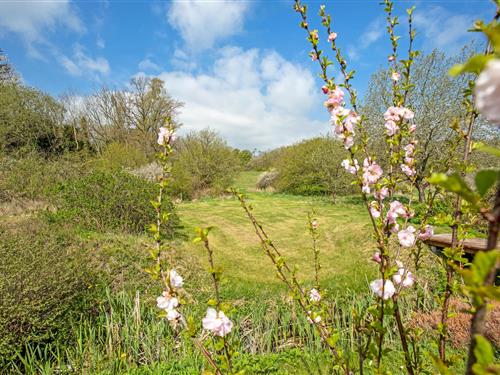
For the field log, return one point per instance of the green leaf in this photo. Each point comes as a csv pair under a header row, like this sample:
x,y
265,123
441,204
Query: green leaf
x,y
483,351
474,65
455,184
487,149
485,180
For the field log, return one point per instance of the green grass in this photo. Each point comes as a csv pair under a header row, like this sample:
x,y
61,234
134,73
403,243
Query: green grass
x,y
345,242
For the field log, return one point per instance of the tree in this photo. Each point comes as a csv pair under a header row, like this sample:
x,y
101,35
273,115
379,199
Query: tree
x,y
437,100
7,72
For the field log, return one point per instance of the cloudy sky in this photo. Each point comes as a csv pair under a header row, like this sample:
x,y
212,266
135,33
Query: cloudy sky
x,y
240,67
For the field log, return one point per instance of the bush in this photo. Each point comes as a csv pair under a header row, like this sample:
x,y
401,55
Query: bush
x,y
312,167
44,285
267,179
109,201
34,177
203,165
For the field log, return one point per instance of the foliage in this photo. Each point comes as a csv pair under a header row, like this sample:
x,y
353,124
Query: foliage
x,y
203,165
44,285
312,167
120,156
107,201
266,160
31,120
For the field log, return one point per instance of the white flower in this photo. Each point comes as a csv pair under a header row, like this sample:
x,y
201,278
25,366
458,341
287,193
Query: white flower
x,y
165,302
315,317
385,292
176,280
487,91
217,322
403,277
407,237
395,76
172,315
165,136
314,295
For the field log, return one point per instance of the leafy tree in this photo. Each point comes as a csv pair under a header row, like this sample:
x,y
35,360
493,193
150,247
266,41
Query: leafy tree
x,y
7,72
203,164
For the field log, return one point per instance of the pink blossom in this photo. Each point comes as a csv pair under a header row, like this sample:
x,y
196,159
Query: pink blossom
x,y
217,322
407,237
391,58
376,257
407,170
366,189
165,136
166,302
391,128
314,56
382,193
374,210
349,166
396,208
371,172
176,280
409,150
335,98
395,76
384,290
325,90
487,91
332,37
403,277
172,315
314,224
426,233
314,295
412,128
314,35
348,142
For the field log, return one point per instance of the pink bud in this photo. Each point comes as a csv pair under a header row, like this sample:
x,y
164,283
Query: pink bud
x,y
325,90
332,37
391,58
377,258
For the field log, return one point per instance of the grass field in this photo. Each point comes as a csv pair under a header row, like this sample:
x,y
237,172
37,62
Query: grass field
x,y
345,249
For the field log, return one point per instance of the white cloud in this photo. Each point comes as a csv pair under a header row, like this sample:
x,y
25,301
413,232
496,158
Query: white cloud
x,y
442,29
202,23
148,65
252,98
82,64
372,34
32,19
100,43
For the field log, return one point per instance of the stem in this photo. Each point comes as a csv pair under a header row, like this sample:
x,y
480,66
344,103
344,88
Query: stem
x,y
402,335
478,319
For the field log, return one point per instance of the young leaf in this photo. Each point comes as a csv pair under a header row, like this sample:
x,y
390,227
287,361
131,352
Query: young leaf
x,y
485,179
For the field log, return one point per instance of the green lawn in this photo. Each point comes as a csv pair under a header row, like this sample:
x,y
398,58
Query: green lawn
x,y
344,243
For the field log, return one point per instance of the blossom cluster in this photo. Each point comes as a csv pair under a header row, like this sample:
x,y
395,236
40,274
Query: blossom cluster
x,y
408,167
385,289
166,136
168,301
342,119
217,322
394,116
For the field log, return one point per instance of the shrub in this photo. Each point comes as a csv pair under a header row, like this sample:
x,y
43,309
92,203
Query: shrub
x,y
312,167
118,155
44,285
203,165
267,179
34,177
109,201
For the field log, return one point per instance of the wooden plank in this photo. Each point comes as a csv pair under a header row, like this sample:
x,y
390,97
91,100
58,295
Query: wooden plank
x,y
470,245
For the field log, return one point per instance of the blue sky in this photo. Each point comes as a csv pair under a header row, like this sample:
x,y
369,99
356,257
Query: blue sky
x,y
240,67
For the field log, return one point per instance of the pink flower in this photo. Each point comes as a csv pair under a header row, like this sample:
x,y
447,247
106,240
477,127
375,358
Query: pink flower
x,y
407,170
173,315
403,277
376,257
348,142
395,76
314,35
349,167
407,237
166,302
176,280
371,172
314,295
365,189
374,210
487,91
384,290
412,128
391,128
165,136
426,233
325,90
391,58
397,209
382,193
314,224
332,37
314,56
335,98
217,322
409,150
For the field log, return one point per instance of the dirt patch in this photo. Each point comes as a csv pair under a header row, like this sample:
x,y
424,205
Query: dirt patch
x,y
459,323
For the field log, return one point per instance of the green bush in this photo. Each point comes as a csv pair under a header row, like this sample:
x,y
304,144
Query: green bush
x,y
118,155
44,285
109,201
203,165
34,177
312,167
